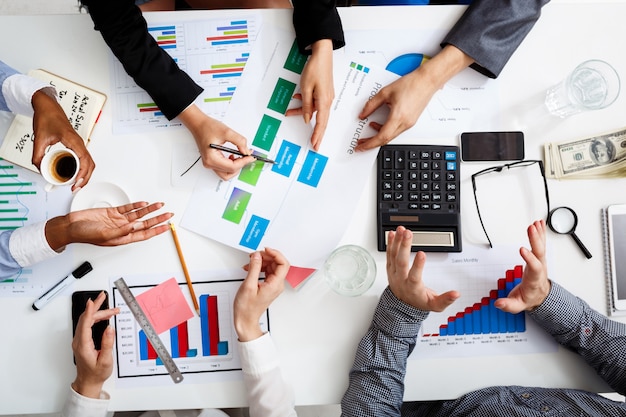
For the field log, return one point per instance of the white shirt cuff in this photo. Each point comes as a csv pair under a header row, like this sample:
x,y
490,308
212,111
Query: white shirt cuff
x,y
18,90
78,406
259,355
28,245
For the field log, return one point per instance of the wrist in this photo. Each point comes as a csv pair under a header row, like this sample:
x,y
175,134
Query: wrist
x,y
544,291
322,46
87,389
445,65
248,331
57,232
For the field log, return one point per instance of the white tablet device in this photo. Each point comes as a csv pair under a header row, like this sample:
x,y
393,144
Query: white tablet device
x,y
616,239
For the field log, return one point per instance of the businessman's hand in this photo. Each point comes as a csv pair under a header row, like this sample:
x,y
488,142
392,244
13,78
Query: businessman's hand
x,y
405,280
535,285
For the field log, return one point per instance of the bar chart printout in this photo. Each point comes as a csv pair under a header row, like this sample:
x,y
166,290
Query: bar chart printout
x,y
477,328
179,335
203,344
483,317
212,52
24,201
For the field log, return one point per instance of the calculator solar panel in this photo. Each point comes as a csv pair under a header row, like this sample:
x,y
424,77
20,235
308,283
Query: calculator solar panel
x,y
418,187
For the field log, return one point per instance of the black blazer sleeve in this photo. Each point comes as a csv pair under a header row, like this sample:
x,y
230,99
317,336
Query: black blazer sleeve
x,y
491,30
125,31
315,20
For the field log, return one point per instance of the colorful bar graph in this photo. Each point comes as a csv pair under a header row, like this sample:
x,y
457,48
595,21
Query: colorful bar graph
x,y
483,317
209,324
165,36
13,209
235,33
229,69
146,351
225,96
149,108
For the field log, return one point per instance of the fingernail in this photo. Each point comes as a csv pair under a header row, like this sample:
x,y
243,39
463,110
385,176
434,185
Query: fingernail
x,y
79,181
307,119
77,189
255,255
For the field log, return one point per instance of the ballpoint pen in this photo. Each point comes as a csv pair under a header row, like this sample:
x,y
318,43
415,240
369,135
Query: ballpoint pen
x,y
237,152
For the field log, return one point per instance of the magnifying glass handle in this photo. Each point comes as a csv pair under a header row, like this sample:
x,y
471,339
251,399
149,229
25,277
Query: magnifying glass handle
x,y
581,246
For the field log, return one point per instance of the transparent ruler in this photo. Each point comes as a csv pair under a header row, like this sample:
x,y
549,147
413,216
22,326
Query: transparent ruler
x,y
151,334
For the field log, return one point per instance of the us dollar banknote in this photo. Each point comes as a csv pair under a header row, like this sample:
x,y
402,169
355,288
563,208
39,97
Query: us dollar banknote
x,y
598,156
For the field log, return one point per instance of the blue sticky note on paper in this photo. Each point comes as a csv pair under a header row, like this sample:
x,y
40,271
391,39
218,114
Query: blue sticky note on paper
x,y
255,230
286,158
313,168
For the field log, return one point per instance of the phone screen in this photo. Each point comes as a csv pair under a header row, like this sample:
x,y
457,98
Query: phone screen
x,y
492,146
79,302
617,234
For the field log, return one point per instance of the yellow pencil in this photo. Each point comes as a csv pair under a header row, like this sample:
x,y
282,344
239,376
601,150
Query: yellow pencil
x,y
184,265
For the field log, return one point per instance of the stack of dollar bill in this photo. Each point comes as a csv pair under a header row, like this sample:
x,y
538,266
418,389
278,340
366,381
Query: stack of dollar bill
x,y
602,156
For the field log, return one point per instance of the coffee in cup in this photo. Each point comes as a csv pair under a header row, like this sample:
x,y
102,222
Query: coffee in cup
x,y
59,166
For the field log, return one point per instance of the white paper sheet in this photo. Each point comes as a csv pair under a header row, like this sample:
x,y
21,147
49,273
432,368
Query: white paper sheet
x,y
302,204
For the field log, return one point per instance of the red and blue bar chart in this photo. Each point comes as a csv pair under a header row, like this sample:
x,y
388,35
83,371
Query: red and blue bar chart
x,y
483,317
179,335
202,344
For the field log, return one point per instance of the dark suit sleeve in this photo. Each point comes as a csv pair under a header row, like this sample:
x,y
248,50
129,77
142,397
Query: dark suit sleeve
x,y
125,31
315,20
490,31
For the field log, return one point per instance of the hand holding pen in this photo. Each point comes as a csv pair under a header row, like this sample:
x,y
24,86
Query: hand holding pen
x,y
237,152
231,151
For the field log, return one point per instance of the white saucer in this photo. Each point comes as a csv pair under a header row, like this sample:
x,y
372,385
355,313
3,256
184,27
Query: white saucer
x,y
98,195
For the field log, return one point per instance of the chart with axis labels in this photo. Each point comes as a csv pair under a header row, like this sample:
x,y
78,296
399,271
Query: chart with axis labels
x,y
212,52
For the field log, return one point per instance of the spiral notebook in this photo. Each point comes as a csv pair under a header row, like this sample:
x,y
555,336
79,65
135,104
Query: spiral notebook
x,y
614,236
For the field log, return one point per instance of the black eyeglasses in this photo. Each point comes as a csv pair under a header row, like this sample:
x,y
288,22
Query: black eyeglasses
x,y
499,168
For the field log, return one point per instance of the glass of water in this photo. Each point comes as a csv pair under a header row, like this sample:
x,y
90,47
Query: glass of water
x,y
592,85
350,270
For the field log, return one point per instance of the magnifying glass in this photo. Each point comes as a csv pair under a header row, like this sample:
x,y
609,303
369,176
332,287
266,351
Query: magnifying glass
x,y
563,220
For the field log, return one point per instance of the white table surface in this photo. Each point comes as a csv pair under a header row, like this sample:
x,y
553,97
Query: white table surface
x,y
315,329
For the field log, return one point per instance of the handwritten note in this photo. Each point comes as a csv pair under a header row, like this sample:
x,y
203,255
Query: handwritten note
x,y
82,106
165,305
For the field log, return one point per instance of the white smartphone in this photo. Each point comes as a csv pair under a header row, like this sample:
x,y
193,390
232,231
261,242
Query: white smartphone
x,y
616,226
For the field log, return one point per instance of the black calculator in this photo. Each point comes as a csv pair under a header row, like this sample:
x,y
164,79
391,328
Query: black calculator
x,y
418,187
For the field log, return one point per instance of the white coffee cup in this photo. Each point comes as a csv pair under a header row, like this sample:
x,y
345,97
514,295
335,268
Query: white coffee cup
x,y
59,166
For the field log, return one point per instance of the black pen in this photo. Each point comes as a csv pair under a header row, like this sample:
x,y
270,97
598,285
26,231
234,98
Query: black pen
x,y
236,152
78,273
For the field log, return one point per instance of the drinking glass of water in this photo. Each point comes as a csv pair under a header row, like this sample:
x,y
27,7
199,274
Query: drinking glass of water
x,y
592,85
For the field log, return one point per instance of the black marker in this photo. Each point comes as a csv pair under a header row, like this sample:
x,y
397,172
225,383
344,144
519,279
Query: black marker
x,y
78,273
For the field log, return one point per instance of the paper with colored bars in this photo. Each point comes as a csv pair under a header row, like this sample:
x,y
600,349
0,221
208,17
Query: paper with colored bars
x,y
24,202
472,326
213,52
203,346
303,204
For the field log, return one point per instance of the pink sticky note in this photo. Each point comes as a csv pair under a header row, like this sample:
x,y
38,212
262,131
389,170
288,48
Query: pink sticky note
x,y
165,305
296,275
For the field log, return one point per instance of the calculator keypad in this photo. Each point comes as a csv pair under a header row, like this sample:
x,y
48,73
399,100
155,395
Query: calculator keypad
x,y
424,180
418,186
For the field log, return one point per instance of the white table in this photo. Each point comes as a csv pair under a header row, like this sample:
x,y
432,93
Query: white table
x,y
315,329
